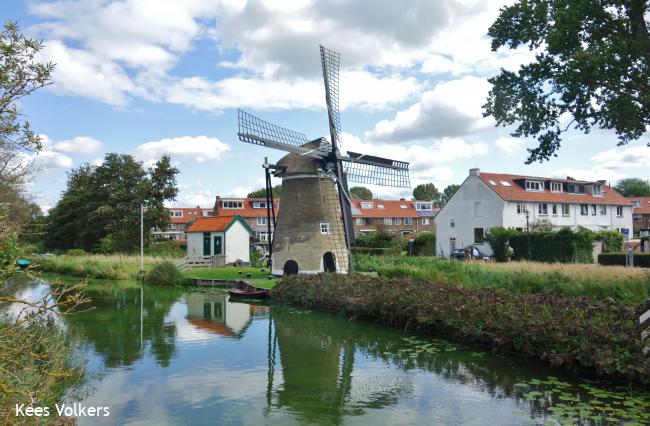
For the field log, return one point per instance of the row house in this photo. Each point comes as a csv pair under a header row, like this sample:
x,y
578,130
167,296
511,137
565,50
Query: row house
x,y
179,219
487,200
397,216
640,213
252,210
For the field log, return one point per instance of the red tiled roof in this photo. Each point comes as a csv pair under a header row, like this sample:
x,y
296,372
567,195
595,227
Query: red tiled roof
x,y
645,205
247,211
209,224
392,208
517,192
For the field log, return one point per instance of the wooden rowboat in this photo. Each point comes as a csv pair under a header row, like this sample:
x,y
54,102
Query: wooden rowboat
x,y
250,294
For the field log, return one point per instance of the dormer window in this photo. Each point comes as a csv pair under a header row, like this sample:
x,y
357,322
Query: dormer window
x,y
597,190
574,188
380,206
556,186
403,206
259,204
423,206
636,203
233,205
534,185
366,205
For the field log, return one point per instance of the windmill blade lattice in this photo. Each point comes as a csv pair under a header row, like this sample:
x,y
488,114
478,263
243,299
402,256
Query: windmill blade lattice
x,y
258,132
331,62
370,171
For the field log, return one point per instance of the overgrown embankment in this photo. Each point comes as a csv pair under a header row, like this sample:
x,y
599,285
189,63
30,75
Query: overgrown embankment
x,y
574,332
110,267
593,281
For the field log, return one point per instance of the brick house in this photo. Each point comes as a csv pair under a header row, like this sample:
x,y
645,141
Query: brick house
x,y
402,216
180,218
640,213
251,210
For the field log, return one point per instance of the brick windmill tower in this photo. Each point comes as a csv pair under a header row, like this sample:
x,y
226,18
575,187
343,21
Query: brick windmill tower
x,y
314,230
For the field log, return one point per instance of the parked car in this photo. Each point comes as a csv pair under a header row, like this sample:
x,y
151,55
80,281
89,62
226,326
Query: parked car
x,y
459,254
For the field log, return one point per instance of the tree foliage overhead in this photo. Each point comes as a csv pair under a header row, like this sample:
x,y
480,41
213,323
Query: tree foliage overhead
x,y
592,62
20,75
261,193
100,209
633,187
449,192
360,193
426,192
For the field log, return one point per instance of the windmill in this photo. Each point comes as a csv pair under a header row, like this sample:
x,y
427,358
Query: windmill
x,y
314,231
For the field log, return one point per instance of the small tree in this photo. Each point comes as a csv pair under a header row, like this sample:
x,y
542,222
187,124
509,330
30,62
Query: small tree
x,y
360,193
261,193
633,187
449,192
426,192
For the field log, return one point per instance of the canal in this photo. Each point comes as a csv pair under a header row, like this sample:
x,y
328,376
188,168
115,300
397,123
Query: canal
x,y
185,356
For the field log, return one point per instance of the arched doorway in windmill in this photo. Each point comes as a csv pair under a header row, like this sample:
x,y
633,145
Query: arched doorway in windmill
x,y
329,262
290,267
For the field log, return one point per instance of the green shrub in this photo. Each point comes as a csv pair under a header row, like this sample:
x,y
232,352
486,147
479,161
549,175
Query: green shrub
x,y
640,259
573,332
612,241
164,273
75,252
563,245
167,248
424,244
257,259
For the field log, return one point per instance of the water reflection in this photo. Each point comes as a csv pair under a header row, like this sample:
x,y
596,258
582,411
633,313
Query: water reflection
x,y
215,313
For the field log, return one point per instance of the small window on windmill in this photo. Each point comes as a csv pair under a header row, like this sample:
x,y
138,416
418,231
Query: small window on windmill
x,y
324,228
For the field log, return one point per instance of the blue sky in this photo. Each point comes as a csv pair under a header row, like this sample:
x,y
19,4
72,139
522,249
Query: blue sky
x,y
150,77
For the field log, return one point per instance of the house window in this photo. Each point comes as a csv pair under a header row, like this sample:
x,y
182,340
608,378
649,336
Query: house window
x,y
452,244
408,221
556,187
479,238
261,221
575,188
584,209
597,190
206,213
603,210
534,185
593,210
565,210
637,217
425,221
259,204
232,204
452,223
388,221
521,208
366,205
477,208
262,236
423,206
397,221
619,211
324,228
542,209
181,226
636,203
172,226
554,209
380,206
176,213
359,221
403,206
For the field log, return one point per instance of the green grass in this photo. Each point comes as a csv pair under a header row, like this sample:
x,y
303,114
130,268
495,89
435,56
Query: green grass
x,y
111,267
593,281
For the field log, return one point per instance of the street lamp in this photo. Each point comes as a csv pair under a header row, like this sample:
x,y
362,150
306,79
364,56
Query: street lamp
x,y
528,234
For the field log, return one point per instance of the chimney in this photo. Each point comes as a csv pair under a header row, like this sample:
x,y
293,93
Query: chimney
x,y
475,172
216,205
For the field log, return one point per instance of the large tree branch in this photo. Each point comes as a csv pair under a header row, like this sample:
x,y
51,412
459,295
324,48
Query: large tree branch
x,y
639,26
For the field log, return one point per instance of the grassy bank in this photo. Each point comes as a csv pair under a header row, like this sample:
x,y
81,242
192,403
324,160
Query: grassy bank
x,y
574,332
630,285
110,267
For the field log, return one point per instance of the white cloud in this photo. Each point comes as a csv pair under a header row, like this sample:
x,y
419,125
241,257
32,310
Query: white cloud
x,y
452,108
239,191
47,160
83,145
634,156
195,148
200,197
593,174
510,146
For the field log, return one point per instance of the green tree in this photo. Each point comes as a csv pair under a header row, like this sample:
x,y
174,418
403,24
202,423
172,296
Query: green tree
x,y
592,63
360,193
449,192
20,75
261,193
426,192
100,208
633,187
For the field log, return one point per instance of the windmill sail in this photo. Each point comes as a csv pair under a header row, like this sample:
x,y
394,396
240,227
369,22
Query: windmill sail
x,y
331,61
373,170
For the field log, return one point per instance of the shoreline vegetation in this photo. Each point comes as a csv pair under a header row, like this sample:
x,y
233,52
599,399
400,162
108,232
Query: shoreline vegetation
x,y
577,333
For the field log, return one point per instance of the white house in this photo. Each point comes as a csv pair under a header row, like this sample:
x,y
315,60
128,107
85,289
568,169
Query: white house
x,y
227,237
487,200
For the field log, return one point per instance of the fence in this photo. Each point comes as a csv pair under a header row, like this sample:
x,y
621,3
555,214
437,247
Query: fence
x,y
645,333
202,262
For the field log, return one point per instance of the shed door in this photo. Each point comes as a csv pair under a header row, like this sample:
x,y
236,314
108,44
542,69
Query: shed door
x,y
206,244
218,245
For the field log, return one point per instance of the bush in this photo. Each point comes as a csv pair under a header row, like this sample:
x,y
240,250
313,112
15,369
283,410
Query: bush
x,y
612,241
574,332
168,248
640,259
424,244
563,245
257,259
75,252
164,273
392,243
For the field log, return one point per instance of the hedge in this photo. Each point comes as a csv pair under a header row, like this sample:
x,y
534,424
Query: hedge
x,y
574,332
564,245
424,244
640,259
